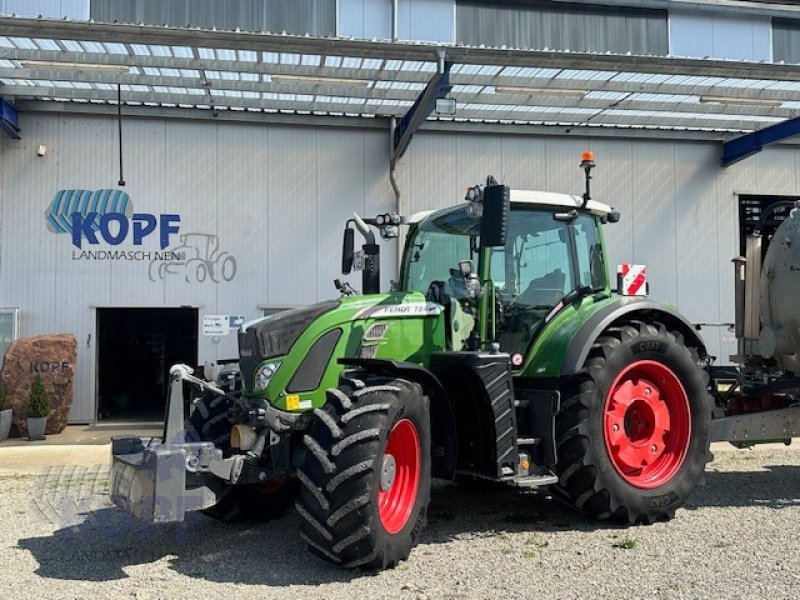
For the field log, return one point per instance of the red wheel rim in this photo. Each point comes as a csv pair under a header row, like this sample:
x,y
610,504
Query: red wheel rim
x,y
399,476
647,424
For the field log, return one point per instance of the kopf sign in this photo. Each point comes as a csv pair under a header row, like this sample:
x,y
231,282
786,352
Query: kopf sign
x,y
142,224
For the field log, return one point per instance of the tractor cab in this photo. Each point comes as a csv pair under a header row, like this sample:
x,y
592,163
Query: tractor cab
x,y
552,256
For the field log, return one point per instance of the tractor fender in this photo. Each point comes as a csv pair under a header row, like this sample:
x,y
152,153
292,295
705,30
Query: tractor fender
x,y
629,307
443,422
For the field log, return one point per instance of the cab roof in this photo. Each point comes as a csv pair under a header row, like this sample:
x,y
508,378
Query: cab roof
x,y
536,198
556,199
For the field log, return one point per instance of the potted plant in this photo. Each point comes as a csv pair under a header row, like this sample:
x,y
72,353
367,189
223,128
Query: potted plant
x,y
5,414
38,410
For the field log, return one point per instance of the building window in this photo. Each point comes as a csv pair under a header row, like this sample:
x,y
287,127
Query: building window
x,y
751,215
543,24
316,17
786,40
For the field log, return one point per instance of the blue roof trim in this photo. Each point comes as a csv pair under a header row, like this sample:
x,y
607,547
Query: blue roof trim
x,y
747,145
8,120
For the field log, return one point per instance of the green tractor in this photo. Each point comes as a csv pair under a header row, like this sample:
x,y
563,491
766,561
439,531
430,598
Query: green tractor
x,y
502,355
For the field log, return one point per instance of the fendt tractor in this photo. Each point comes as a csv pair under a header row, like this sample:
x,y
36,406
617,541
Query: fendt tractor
x,y
501,355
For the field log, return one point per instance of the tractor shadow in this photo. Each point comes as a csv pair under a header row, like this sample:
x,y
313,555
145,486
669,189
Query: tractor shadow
x,y
775,487
105,543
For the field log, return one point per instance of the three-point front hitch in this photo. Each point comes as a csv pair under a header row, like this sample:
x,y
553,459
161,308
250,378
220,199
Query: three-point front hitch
x,y
160,479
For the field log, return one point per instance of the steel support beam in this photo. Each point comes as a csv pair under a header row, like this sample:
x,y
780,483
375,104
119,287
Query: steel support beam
x,y
438,87
747,145
8,120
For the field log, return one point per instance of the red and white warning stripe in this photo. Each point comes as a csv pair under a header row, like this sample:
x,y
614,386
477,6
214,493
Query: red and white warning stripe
x,y
633,280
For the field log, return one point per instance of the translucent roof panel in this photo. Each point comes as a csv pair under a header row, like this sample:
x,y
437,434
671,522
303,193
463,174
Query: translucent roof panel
x,y
167,67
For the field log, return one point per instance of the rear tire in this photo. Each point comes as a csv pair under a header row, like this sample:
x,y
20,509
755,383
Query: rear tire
x,y
240,503
365,479
634,426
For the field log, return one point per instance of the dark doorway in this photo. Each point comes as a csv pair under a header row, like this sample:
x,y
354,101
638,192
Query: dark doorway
x,y
136,348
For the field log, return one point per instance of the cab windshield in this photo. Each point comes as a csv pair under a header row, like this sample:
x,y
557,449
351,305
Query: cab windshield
x,y
543,260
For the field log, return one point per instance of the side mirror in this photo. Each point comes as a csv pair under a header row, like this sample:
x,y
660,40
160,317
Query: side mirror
x,y
496,208
348,250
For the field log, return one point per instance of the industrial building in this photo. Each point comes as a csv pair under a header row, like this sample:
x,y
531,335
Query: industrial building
x,y
222,147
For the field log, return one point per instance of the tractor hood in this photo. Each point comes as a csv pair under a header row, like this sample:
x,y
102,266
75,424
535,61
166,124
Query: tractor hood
x,y
274,336
306,344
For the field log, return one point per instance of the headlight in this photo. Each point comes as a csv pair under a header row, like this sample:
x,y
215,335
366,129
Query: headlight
x,y
263,376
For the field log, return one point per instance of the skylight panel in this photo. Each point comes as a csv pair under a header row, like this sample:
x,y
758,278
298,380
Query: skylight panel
x,y
23,43
158,50
182,51
115,48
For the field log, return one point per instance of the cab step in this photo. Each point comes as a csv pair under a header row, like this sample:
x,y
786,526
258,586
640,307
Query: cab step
x,y
535,480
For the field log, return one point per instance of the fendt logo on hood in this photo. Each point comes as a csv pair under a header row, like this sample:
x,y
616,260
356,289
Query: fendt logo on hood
x,y
106,215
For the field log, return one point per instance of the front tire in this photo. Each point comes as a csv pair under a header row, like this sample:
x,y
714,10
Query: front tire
x,y
634,428
366,476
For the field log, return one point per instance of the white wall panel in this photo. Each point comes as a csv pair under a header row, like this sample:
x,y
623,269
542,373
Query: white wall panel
x,y
719,35
73,9
654,216
696,167
293,216
523,162
365,19
243,164
426,20
433,178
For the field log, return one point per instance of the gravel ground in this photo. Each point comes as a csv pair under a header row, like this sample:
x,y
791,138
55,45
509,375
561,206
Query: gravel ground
x,y
737,539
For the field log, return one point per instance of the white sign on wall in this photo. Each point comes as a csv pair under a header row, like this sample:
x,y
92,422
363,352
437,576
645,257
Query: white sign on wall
x,y
216,325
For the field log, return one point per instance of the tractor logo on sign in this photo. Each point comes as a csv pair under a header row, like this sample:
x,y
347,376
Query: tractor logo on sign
x,y
200,259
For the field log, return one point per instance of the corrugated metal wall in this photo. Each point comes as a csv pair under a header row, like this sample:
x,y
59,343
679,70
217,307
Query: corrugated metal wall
x,y
278,196
317,17
786,40
557,26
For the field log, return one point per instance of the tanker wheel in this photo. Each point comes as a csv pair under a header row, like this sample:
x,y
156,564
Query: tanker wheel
x,y
634,426
366,476
209,422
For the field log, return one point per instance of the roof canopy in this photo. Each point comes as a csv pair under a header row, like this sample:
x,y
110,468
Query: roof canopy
x,y
72,61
